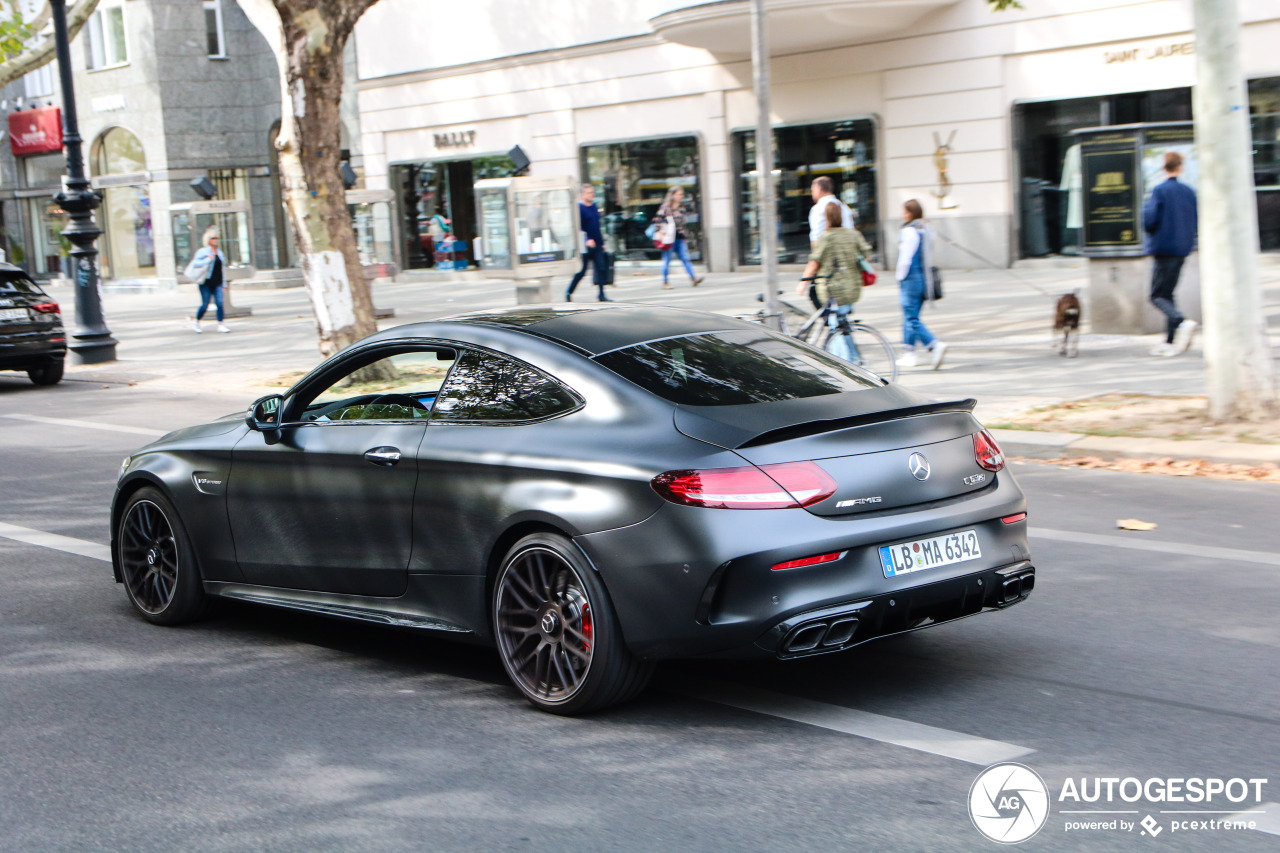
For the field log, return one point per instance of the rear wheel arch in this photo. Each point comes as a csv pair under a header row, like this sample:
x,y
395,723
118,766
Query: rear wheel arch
x,y
503,544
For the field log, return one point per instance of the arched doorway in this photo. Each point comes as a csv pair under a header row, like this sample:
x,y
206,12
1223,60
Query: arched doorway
x,y
128,246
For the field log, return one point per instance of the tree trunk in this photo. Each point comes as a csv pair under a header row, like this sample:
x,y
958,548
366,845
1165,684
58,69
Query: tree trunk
x,y
1241,380
308,37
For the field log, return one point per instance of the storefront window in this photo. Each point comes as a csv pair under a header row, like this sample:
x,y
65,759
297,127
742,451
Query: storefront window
x,y
129,243
1049,193
1264,115
49,247
631,179
44,170
844,151
444,188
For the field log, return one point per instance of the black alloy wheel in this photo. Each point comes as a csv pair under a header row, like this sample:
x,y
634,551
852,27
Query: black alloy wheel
x,y
557,635
156,561
49,373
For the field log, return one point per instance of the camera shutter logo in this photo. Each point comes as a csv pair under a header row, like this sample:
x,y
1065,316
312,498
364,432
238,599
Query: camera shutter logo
x,y
1008,803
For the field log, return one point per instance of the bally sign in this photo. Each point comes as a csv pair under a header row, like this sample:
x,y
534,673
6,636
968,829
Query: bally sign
x,y
37,131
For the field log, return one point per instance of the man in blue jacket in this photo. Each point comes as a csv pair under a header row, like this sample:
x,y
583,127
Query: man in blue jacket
x,y
1170,222
589,221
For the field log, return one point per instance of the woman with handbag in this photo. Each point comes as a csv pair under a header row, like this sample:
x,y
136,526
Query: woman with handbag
x,y
915,274
671,236
207,269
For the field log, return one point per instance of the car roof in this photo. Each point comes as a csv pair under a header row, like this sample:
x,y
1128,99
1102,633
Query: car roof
x,y
593,329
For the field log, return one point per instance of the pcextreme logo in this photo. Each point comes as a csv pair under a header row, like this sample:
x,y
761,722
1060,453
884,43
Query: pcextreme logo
x,y
1008,803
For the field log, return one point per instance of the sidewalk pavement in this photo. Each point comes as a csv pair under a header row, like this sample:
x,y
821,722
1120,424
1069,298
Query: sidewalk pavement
x,y
996,323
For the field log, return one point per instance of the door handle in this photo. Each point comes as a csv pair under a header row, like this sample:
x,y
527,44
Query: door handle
x,y
384,456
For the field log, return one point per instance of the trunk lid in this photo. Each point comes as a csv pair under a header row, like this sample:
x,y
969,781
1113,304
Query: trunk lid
x,y
867,443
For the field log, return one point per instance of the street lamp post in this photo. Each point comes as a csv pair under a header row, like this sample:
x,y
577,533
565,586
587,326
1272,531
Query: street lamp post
x,y
91,342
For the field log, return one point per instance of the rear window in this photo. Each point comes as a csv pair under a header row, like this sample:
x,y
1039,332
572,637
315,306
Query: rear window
x,y
733,368
17,282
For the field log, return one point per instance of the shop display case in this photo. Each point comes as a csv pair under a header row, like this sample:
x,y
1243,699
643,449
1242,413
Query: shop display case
x,y
528,227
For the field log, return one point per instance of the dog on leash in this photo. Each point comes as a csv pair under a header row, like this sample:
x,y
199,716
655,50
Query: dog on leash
x,y
1066,322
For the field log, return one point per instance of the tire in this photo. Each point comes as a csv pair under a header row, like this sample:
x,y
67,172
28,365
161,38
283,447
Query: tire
x,y
870,349
556,631
49,373
156,561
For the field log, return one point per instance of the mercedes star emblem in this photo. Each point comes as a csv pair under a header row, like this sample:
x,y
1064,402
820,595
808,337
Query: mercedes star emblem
x,y
548,622
919,466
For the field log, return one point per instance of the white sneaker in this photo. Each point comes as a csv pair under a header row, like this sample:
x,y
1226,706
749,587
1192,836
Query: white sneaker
x,y
195,327
939,353
1165,350
908,359
222,328
1182,337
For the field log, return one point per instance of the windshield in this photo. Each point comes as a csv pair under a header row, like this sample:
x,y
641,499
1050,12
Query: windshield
x,y
733,368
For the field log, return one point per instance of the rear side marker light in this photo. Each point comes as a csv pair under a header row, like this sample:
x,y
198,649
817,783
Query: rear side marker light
x,y
986,452
785,486
809,561
1015,518
46,308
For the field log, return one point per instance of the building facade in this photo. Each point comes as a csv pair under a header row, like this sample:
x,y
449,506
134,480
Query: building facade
x,y
167,91
967,110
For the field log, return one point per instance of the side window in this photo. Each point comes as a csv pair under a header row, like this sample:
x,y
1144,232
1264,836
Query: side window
x,y
490,389
398,387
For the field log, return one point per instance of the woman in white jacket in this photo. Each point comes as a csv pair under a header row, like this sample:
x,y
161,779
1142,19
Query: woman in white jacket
x,y
915,254
208,269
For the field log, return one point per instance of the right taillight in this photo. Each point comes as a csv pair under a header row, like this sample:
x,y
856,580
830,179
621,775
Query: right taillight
x,y
783,486
986,452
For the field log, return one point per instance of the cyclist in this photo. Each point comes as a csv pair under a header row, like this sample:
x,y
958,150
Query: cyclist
x,y
835,263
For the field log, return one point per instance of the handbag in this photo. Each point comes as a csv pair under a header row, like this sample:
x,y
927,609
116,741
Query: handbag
x,y
665,237
602,273
936,275
868,274
195,271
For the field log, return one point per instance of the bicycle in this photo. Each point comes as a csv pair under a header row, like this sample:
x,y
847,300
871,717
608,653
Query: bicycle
x,y
839,334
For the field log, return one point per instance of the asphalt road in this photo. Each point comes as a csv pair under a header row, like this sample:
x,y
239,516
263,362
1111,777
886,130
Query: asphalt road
x,y
263,730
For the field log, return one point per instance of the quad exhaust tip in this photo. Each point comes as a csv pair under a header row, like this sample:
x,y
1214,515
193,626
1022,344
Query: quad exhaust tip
x,y
1015,587
820,635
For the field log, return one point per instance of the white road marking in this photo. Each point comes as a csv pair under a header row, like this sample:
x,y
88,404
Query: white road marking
x,y
1266,818
154,433
949,744
70,545
1136,543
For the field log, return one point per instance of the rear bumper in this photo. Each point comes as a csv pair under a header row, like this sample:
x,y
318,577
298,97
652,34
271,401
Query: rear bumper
x,y
837,628
20,351
699,582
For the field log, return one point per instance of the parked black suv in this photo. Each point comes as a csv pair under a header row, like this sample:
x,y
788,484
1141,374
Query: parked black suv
x,y
31,333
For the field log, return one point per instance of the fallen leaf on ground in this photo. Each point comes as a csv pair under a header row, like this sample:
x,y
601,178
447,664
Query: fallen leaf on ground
x,y
1135,524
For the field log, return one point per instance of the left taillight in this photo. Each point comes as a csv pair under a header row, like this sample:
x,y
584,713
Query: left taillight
x,y
986,452
46,308
782,486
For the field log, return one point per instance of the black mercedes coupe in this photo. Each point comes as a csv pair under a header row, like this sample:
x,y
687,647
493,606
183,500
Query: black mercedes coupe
x,y
589,489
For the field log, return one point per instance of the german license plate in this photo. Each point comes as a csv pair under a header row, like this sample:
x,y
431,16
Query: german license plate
x,y
921,554
13,314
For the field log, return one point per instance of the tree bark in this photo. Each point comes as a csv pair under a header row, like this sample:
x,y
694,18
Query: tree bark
x,y
44,53
1240,377
308,37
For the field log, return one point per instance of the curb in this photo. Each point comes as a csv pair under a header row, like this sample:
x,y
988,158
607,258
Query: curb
x,y
1058,445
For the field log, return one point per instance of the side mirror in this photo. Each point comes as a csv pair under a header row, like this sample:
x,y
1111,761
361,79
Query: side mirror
x,y
264,414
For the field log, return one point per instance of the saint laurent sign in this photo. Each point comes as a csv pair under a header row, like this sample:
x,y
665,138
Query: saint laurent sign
x,y
1162,51
455,139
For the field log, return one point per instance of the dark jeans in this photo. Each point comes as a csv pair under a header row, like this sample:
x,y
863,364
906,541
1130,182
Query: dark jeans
x,y
1165,270
207,293
591,257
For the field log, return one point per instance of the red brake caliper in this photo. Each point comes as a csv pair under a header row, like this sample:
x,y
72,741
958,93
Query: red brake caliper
x,y
586,627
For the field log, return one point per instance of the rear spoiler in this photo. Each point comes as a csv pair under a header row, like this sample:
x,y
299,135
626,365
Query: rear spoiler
x,y
817,427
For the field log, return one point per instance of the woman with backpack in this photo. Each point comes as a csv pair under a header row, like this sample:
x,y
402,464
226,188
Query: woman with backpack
x,y
915,274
